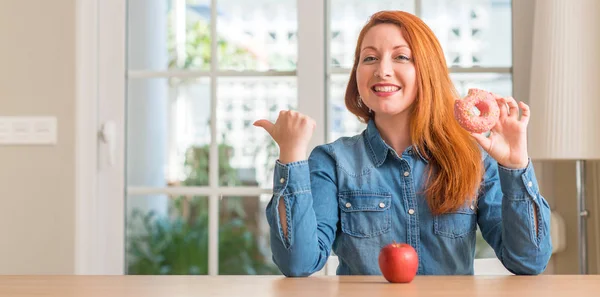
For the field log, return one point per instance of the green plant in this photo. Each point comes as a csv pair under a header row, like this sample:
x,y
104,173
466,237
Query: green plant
x,y
196,166
178,244
168,246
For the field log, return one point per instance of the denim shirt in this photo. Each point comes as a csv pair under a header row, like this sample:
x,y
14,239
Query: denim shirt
x,y
356,195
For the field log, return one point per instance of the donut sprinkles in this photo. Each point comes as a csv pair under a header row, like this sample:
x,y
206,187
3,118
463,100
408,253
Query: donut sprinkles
x,y
469,119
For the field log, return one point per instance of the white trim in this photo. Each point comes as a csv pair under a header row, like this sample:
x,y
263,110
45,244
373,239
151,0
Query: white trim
x,y
213,175
85,136
109,209
476,69
99,219
311,65
179,7
418,7
479,69
199,191
328,68
203,73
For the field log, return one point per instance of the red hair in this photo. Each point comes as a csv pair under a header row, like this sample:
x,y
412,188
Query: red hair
x,y
455,166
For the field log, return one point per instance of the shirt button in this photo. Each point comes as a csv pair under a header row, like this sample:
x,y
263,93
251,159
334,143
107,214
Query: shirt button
x,y
406,173
530,184
281,180
472,207
348,204
382,205
411,211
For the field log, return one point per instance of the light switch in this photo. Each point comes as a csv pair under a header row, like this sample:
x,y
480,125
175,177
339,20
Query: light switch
x,y
39,130
4,131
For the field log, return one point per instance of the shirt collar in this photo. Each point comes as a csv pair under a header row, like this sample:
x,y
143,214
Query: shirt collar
x,y
378,148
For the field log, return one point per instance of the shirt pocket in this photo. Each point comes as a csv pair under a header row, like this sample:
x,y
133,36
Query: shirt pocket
x,y
365,214
456,224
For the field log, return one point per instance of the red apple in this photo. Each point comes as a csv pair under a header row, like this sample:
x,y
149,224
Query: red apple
x,y
398,262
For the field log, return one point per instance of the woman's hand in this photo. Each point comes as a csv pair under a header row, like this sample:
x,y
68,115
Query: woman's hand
x,y
292,132
507,143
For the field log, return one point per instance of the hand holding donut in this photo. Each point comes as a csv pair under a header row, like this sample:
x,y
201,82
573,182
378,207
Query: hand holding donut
x,y
292,132
507,142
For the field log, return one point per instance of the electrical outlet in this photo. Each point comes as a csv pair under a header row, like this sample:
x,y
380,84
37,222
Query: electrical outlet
x,y
40,130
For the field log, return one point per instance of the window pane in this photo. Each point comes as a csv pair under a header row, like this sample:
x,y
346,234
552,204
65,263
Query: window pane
x,y
347,18
169,34
340,121
498,83
168,132
247,153
472,32
167,235
244,237
257,35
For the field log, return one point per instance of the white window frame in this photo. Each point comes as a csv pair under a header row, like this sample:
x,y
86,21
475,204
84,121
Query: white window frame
x,y
101,69
100,197
99,204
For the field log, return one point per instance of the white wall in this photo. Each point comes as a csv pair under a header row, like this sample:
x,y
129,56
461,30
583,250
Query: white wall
x,y
37,77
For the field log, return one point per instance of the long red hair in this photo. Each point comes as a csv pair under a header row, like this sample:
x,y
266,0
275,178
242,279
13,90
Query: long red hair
x,y
455,166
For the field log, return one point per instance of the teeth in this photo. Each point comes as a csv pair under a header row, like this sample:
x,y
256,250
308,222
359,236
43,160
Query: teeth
x,y
386,88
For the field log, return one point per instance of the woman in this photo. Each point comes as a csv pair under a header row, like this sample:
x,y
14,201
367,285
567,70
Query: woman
x,y
414,175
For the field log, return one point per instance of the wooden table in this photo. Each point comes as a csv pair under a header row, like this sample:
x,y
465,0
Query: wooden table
x,y
278,286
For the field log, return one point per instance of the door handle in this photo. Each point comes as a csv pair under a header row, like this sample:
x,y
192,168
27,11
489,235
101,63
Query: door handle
x,y
108,135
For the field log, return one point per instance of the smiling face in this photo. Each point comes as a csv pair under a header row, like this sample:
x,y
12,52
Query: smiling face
x,y
386,75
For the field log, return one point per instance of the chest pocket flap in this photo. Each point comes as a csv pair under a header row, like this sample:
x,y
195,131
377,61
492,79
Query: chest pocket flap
x,y
365,214
456,224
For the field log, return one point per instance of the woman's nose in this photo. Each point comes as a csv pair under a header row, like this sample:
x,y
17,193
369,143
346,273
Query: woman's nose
x,y
384,69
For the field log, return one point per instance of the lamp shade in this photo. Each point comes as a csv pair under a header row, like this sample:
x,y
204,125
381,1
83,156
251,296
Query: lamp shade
x,y
565,81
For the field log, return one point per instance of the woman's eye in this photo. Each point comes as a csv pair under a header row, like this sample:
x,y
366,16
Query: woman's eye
x,y
369,59
403,57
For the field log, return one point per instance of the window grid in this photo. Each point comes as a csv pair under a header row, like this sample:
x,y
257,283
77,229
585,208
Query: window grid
x,y
202,73
214,192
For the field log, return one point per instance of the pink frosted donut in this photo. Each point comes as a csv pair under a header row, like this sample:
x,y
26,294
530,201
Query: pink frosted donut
x,y
488,108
